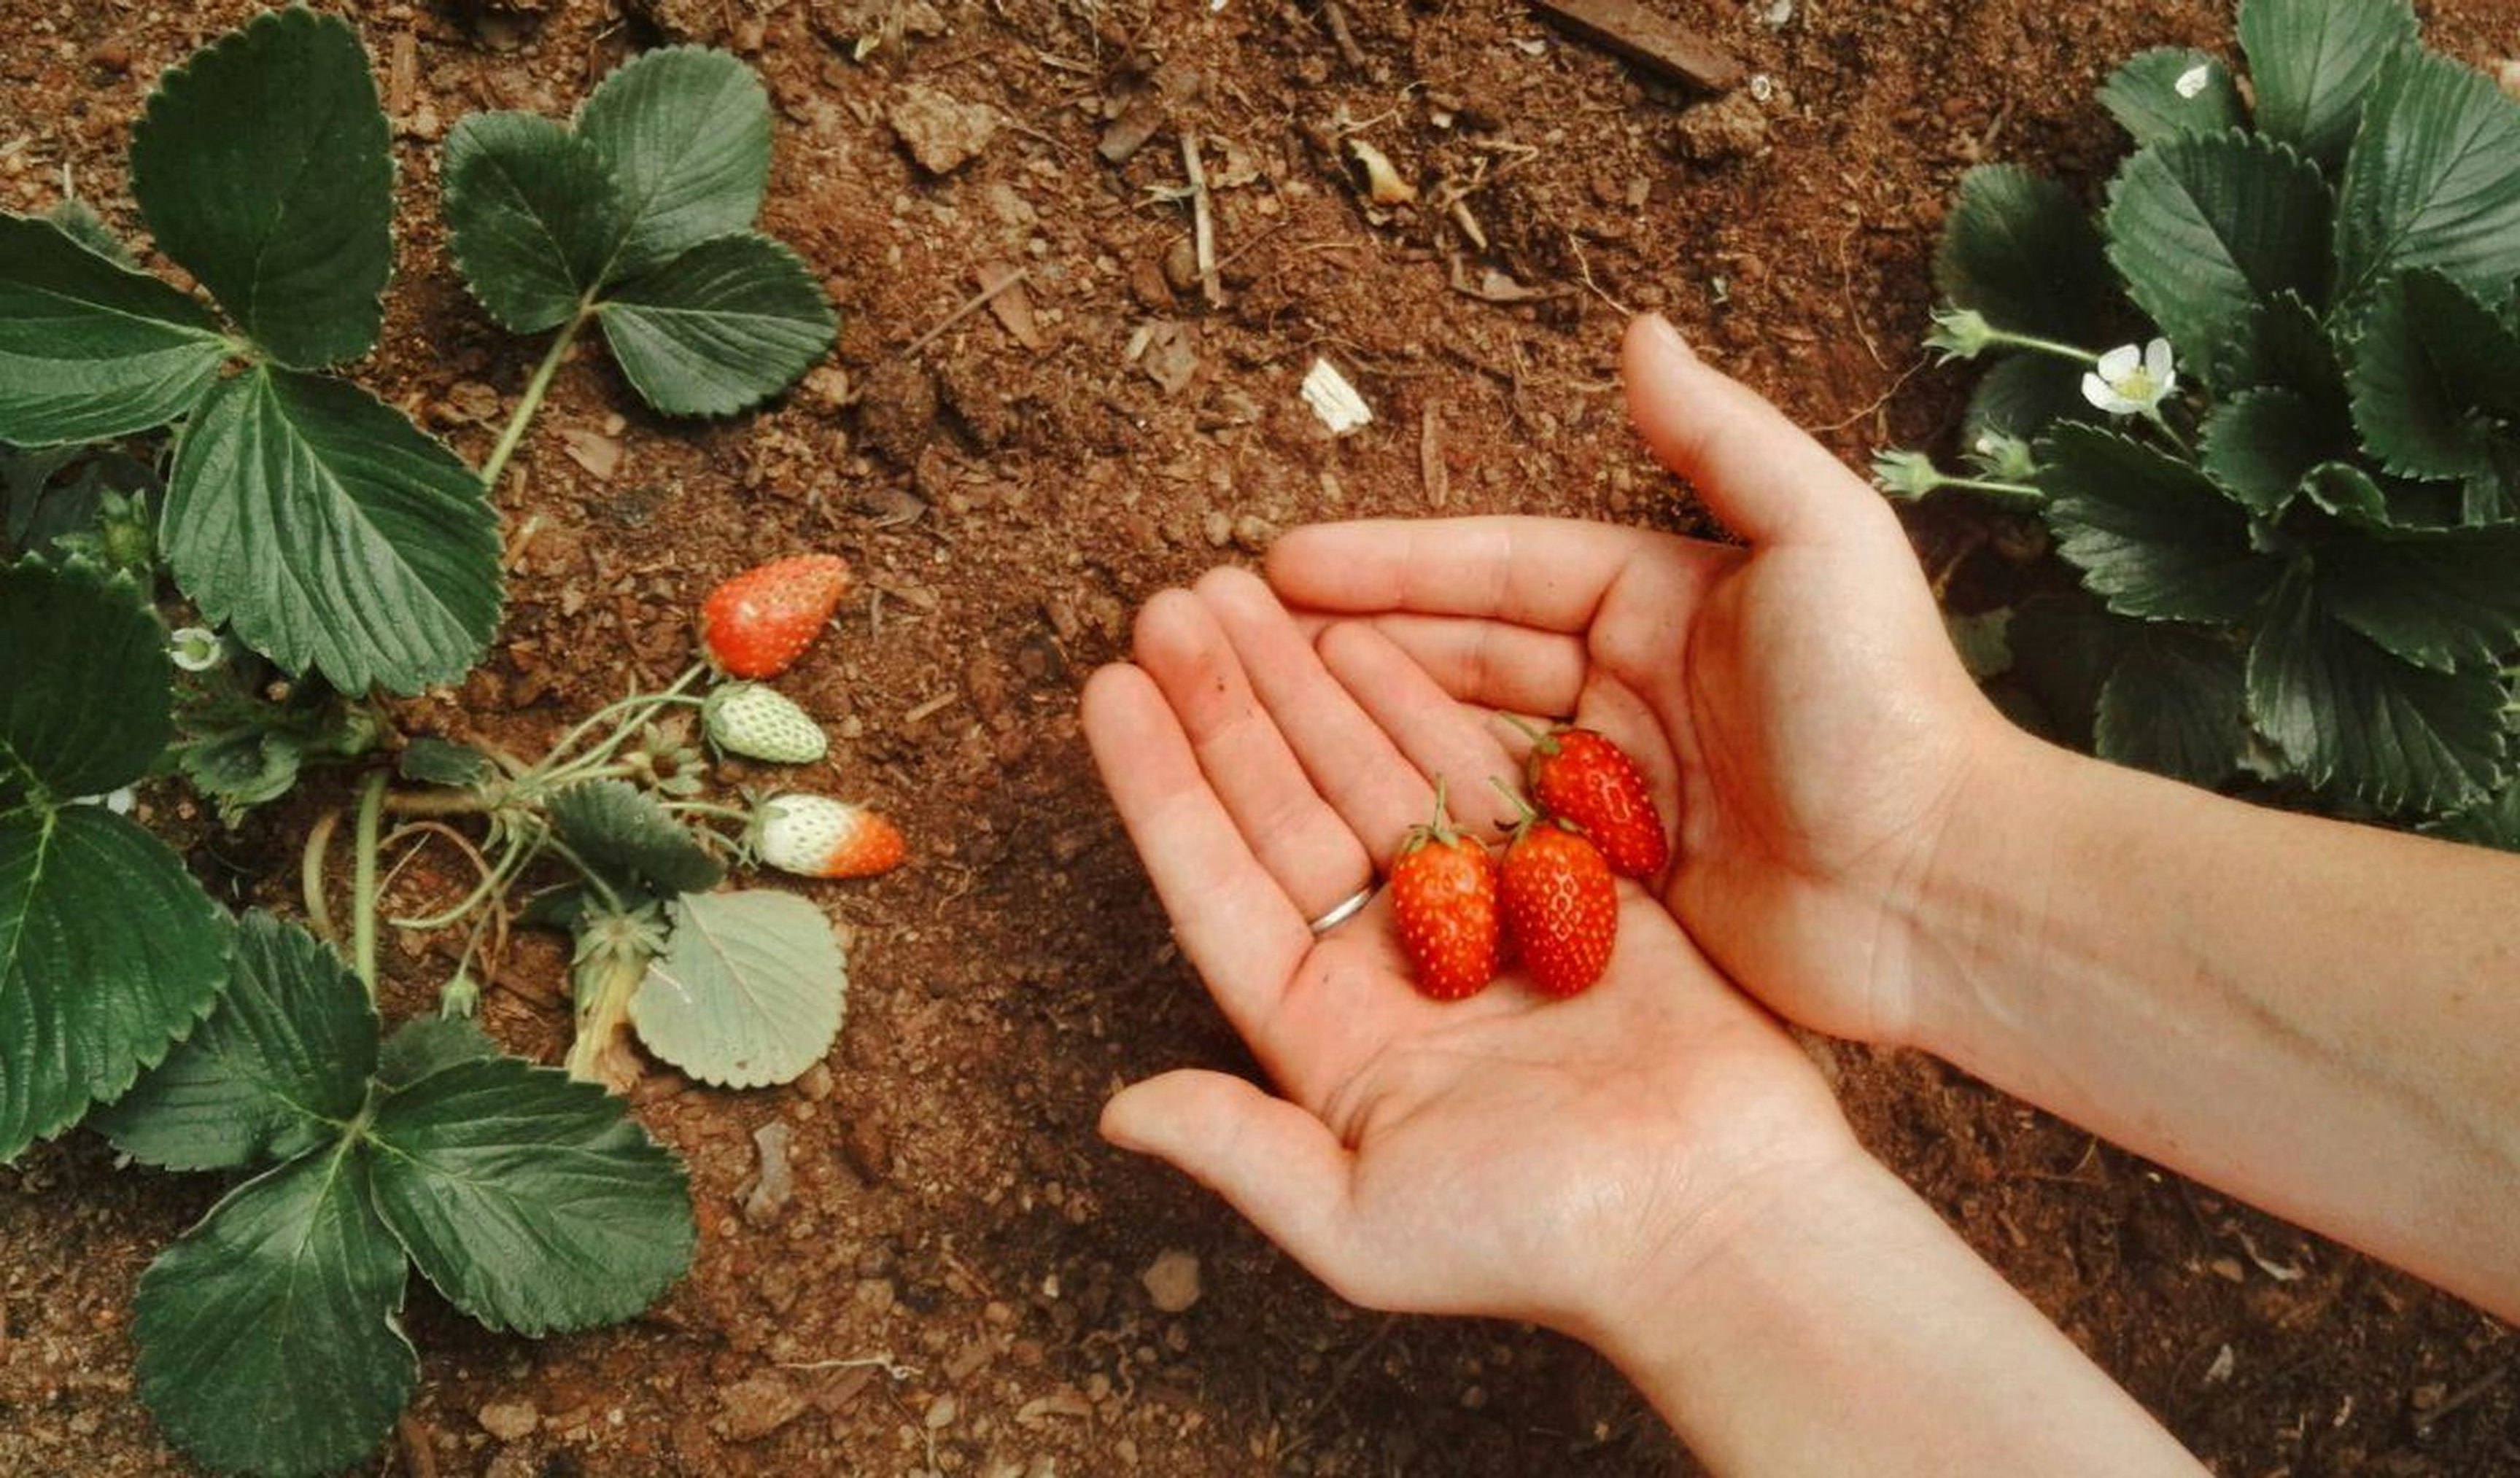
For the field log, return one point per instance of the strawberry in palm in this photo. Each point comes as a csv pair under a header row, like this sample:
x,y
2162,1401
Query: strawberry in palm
x,y
1444,899
1580,776
1561,903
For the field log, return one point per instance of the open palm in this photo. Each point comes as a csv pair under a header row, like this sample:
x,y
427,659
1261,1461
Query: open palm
x,y
1795,704
1506,1155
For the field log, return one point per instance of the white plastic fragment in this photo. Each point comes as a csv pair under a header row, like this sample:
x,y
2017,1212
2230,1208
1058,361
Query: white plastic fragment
x,y
1334,400
2192,81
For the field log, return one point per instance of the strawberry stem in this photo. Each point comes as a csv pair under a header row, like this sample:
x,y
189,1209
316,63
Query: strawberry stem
x,y
363,885
532,400
1522,808
1541,739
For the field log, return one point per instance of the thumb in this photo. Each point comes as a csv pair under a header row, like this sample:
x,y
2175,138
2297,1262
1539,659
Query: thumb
x,y
1757,471
1274,1163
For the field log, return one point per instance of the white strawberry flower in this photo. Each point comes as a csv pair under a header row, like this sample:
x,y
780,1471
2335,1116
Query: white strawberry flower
x,y
194,648
2133,381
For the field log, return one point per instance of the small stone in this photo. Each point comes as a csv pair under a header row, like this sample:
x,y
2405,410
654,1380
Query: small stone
x,y
941,1413
111,56
509,1420
1219,528
869,1150
942,132
772,1186
1172,1281
1254,534
815,1082
757,1406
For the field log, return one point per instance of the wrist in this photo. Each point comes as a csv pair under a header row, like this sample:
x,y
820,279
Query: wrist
x,y
1981,906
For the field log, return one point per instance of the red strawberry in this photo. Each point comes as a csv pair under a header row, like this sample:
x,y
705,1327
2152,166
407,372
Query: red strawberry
x,y
1583,778
1561,903
758,623
816,837
1444,898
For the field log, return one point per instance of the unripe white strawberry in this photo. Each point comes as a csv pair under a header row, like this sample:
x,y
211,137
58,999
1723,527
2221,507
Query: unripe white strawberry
x,y
816,837
762,723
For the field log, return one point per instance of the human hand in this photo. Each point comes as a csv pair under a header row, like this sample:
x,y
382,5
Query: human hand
x,y
1506,1155
1795,704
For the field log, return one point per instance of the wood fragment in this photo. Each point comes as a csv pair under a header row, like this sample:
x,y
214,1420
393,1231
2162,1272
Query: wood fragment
x,y
1431,470
1202,221
1013,309
402,75
1344,38
1647,39
971,306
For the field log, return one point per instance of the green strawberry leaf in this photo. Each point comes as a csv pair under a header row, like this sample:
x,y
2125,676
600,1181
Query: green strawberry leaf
x,y
532,1202
685,133
86,703
2168,91
2436,382
2350,717
2494,822
2153,537
2313,62
533,218
2174,705
724,326
270,1334
78,220
263,166
2022,394
2207,227
109,952
2439,598
2433,181
390,547
2064,646
750,992
2279,345
2356,493
428,760
280,1066
2022,251
90,349
424,1045
2260,444
618,830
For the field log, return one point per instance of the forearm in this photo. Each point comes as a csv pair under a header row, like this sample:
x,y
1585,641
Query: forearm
x,y
1848,1331
2321,1018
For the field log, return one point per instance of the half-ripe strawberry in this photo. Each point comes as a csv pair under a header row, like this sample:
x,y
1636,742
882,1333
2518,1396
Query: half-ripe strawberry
x,y
760,622
1561,903
816,837
1444,899
1582,777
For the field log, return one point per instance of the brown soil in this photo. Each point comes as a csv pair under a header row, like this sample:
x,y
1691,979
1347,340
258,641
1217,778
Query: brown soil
x,y
1008,505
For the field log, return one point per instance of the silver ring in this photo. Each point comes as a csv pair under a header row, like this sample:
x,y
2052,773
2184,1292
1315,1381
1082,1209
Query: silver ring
x,y
1344,910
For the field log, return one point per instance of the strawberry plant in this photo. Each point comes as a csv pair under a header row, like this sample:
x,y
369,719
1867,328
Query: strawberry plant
x,y
2267,405
192,449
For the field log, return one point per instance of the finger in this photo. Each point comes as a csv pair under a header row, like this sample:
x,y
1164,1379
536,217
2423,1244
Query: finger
x,y
1759,473
1441,738
1239,929
1274,1163
1550,573
1492,664
1293,832
1352,762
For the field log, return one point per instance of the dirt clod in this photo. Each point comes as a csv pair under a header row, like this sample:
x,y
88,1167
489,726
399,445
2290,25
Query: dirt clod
x,y
1172,1281
942,132
1731,127
509,1420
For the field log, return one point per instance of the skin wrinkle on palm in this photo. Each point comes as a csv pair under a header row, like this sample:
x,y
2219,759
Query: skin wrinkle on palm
x,y
1865,844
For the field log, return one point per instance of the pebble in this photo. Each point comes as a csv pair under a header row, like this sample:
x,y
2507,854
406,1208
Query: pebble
x,y
757,1406
1172,1281
509,1420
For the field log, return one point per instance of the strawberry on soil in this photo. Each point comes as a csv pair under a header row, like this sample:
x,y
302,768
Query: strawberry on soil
x,y
758,623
